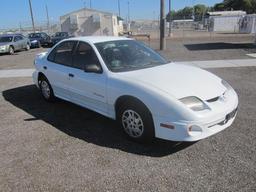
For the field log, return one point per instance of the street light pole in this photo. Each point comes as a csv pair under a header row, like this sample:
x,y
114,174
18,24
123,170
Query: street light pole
x,y
119,9
128,11
32,17
162,26
48,21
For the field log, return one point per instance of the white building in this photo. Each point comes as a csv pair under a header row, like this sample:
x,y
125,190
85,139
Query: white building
x,y
86,22
224,21
248,24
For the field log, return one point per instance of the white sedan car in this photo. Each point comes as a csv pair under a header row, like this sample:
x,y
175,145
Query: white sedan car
x,y
125,80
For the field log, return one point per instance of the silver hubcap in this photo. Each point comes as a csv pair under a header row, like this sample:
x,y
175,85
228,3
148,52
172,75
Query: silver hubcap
x,y
28,47
45,89
132,123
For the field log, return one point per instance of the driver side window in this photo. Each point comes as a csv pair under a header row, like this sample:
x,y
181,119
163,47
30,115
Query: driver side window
x,y
84,55
16,38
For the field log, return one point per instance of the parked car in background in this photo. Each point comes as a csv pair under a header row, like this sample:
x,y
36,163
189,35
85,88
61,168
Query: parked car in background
x,y
13,42
59,36
125,80
39,39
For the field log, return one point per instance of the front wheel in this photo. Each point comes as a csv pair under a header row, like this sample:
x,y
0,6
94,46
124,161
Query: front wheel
x,y
46,89
27,47
136,121
11,50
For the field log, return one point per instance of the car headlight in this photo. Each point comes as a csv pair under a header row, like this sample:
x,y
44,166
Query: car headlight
x,y
3,47
225,83
34,41
194,103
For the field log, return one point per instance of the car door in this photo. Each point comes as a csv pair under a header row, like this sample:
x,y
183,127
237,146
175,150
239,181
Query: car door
x,y
17,44
87,89
23,42
57,68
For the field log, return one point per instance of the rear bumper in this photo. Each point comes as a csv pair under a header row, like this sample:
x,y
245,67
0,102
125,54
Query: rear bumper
x,y
205,126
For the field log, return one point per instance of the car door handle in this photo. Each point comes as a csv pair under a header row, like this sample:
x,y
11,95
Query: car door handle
x,y
45,67
71,75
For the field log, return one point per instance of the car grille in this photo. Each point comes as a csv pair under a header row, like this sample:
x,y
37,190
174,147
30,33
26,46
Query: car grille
x,y
227,118
213,99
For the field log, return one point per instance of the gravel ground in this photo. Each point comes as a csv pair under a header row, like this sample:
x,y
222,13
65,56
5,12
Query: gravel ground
x,y
20,60
193,49
63,147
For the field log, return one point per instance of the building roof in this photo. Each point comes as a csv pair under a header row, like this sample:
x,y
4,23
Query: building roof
x,y
86,9
226,13
98,39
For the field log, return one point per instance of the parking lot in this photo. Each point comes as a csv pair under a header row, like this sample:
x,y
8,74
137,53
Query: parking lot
x,y
63,147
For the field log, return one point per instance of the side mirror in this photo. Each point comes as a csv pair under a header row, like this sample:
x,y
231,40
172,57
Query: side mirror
x,y
92,68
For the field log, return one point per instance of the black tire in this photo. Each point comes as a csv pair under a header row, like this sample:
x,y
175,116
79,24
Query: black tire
x,y
43,82
141,110
11,50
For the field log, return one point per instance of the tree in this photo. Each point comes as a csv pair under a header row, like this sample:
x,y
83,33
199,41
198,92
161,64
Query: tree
x,y
246,5
219,7
199,11
187,13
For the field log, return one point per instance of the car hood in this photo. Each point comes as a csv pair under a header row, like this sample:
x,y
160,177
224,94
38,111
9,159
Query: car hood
x,y
179,80
5,43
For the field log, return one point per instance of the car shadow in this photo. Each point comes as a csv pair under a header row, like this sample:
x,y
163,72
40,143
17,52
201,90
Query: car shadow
x,y
84,124
219,45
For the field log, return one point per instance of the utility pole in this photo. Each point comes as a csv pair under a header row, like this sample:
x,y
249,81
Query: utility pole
x,y
90,4
119,10
48,21
162,26
128,11
32,17
128,16
170,17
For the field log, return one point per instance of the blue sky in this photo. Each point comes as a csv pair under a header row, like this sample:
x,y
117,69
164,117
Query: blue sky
x,y
14,12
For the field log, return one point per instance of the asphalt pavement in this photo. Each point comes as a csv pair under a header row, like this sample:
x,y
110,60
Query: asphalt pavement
x,y
63,147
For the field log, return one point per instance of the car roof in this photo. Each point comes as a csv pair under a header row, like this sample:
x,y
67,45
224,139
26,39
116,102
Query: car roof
x,y
98,39
9,35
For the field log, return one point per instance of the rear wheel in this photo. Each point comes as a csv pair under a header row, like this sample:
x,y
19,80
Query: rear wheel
x,y
136,121
46,89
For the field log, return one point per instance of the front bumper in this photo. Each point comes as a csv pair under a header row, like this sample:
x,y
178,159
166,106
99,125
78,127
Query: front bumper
x,y
35,78
220,117
34,44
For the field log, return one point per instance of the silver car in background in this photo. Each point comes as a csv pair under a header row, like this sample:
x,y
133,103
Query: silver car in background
x,y
13,42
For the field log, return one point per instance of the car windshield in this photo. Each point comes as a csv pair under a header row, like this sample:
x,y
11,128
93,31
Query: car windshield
x,y
128,55
6,39
60,34
34,35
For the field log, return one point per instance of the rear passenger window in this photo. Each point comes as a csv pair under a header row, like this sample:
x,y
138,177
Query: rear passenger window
x,y
62,54
84,55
